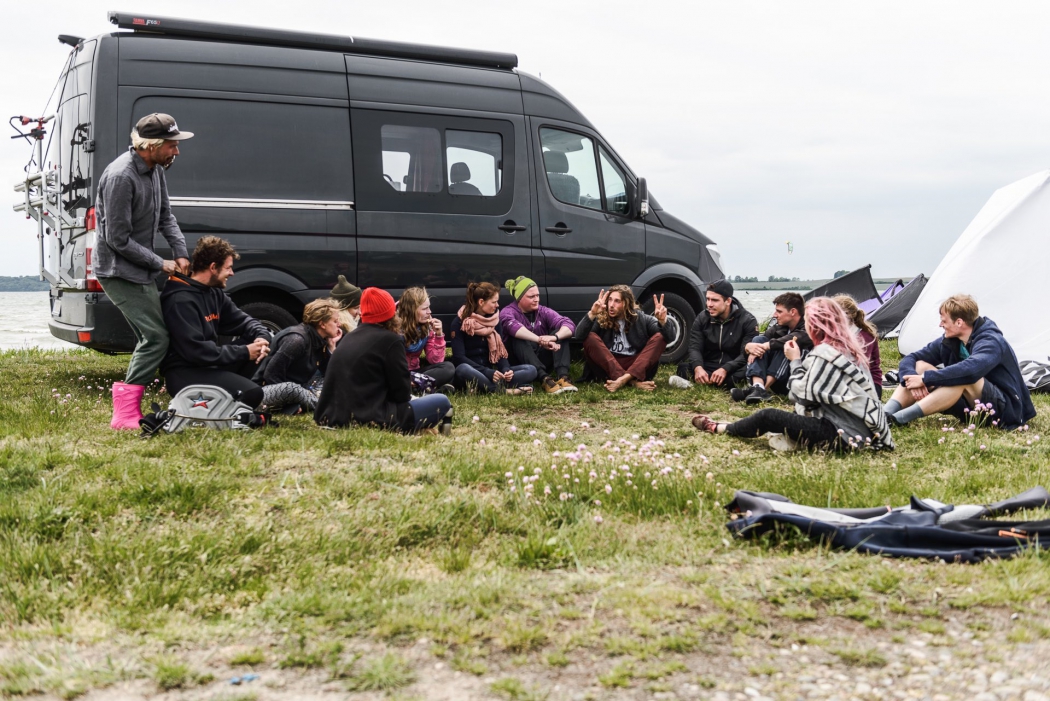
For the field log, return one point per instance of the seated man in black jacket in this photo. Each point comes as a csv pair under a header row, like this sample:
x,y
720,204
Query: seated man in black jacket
x,y
716,341
767,368
621,343
197,311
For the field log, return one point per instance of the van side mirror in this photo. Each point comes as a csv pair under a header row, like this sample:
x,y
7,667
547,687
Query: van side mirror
x,y
641,198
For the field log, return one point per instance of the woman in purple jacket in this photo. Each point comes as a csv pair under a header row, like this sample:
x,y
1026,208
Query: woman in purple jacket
x,y
538,336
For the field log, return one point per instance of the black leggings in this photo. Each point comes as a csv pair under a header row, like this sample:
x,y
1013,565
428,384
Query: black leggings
x,y
816,433
235,379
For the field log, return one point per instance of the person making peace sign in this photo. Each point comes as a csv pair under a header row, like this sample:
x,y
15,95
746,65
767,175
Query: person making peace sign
x,y
621,343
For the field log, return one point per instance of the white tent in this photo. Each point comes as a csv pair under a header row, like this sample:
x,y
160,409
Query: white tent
x,y
1000,259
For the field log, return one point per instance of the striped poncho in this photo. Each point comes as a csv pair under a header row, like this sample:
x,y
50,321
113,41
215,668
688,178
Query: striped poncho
x,y
827,385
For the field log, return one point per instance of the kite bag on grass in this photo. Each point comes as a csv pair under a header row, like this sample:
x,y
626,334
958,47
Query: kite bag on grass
x,y
202,406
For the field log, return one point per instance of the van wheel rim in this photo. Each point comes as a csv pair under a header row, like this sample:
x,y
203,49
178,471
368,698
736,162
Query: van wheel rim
x,y
677,322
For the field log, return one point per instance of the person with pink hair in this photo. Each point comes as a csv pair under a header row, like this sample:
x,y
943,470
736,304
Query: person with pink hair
x,y
835,401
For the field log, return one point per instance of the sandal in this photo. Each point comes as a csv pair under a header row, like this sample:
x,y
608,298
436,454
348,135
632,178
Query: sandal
x,y
702,422
519,391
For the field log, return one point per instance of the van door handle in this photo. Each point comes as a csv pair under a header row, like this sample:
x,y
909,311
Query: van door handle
x,y
560,229
510,227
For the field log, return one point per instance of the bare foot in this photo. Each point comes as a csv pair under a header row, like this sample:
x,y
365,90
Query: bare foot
x,y
645,385
621,381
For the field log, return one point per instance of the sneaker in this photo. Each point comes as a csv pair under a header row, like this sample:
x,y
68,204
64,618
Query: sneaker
x,y
739,394
566,386
446,390
550,386
782,443
701,422
758,395
679,382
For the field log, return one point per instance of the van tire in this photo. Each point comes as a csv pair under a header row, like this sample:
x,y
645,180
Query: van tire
x,y
274,317
679,313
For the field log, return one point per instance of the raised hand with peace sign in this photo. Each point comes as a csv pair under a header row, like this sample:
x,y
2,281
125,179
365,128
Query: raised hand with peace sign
x,y
659,310
599,304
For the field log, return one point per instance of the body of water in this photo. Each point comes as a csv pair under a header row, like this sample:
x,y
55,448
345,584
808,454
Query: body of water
x,y
760,302
23,322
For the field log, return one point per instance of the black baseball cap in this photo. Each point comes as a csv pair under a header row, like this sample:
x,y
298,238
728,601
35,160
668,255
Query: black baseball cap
x,y
160,126
721,287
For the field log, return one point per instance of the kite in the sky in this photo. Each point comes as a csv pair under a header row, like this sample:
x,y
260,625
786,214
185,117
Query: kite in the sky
x,y
791,247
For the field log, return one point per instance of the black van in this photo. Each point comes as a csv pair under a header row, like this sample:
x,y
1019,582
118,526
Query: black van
x,y
393,164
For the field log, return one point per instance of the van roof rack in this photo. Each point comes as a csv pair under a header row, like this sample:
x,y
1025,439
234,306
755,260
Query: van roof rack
x,y
308,40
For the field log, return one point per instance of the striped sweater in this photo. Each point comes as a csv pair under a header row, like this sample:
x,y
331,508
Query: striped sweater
x,y
827,385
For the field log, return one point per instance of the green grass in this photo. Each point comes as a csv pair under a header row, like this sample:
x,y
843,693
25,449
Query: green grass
x,y
308,543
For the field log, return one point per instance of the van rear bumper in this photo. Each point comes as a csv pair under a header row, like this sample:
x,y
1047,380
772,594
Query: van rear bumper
x,y
107,329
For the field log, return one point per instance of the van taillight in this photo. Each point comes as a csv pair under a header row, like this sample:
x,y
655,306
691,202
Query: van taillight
x,y
92,283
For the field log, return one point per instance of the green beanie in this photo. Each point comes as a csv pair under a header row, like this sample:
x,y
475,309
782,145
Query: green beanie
x,y
519,285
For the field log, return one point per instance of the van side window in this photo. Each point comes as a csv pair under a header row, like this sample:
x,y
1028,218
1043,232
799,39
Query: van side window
x,y
445,164
572,172
615,184
475,162
411,158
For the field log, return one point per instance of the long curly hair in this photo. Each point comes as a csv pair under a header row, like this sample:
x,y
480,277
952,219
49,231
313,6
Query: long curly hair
x,y
827,323
477,292
630,308
855,314
411,300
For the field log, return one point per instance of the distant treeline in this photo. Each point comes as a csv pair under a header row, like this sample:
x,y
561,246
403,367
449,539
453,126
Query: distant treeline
x,y
23,283
772,278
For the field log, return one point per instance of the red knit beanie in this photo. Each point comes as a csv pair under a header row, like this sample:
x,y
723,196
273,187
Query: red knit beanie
x,y
377,306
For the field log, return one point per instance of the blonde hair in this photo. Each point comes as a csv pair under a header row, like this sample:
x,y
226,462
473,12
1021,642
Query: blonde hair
x,y
141,144
961,307
855,314
319,311
630,307
411,300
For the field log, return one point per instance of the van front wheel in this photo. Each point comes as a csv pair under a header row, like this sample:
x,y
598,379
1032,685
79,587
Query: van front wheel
x,y
680,316
272,316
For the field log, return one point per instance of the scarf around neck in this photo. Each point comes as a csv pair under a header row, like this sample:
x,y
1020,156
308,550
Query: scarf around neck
x,y
485,326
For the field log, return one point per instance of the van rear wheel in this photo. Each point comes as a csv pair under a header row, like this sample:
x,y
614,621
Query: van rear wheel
x,y
680,317
274,317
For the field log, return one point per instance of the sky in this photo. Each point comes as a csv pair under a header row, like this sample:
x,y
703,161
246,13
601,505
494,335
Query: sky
x,y
860,132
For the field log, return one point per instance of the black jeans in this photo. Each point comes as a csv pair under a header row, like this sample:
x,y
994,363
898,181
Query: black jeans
x,y
235,379
687,369
442,372
546,362
815,433
772,364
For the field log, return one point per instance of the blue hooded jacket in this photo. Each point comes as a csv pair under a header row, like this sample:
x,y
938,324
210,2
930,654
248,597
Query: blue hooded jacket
x,y
991,357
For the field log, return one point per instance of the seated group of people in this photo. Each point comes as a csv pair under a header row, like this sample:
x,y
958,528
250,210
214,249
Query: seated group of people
x,y
360,357
824,355
397,349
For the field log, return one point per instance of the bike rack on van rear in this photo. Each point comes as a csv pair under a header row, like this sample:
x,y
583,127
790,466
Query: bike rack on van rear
x,y
43,202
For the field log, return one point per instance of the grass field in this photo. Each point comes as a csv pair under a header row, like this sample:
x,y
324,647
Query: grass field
x,y
358,562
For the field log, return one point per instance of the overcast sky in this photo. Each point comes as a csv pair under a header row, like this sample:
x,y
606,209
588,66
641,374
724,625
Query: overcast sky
x,y
862,133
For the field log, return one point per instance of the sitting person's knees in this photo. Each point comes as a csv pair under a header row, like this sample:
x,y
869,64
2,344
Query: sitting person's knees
x,y
759,339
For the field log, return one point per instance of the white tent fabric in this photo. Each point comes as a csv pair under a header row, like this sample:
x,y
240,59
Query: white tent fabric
x,y
1000,259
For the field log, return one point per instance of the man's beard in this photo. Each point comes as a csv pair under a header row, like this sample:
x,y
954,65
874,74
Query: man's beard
x,y
168,164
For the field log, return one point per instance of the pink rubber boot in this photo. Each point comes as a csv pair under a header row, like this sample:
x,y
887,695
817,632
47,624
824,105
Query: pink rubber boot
x,y
127,406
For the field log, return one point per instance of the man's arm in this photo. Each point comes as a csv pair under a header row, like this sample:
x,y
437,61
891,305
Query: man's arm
x,y
584,328
749,329
116,194
234,322
169,228
696,341
984,356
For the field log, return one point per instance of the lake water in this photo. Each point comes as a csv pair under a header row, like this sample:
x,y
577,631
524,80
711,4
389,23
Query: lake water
x,y
23,322
24,315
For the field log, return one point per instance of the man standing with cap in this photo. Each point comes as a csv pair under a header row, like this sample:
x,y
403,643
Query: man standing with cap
x,y
537,335
348,297
716,341
131,207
